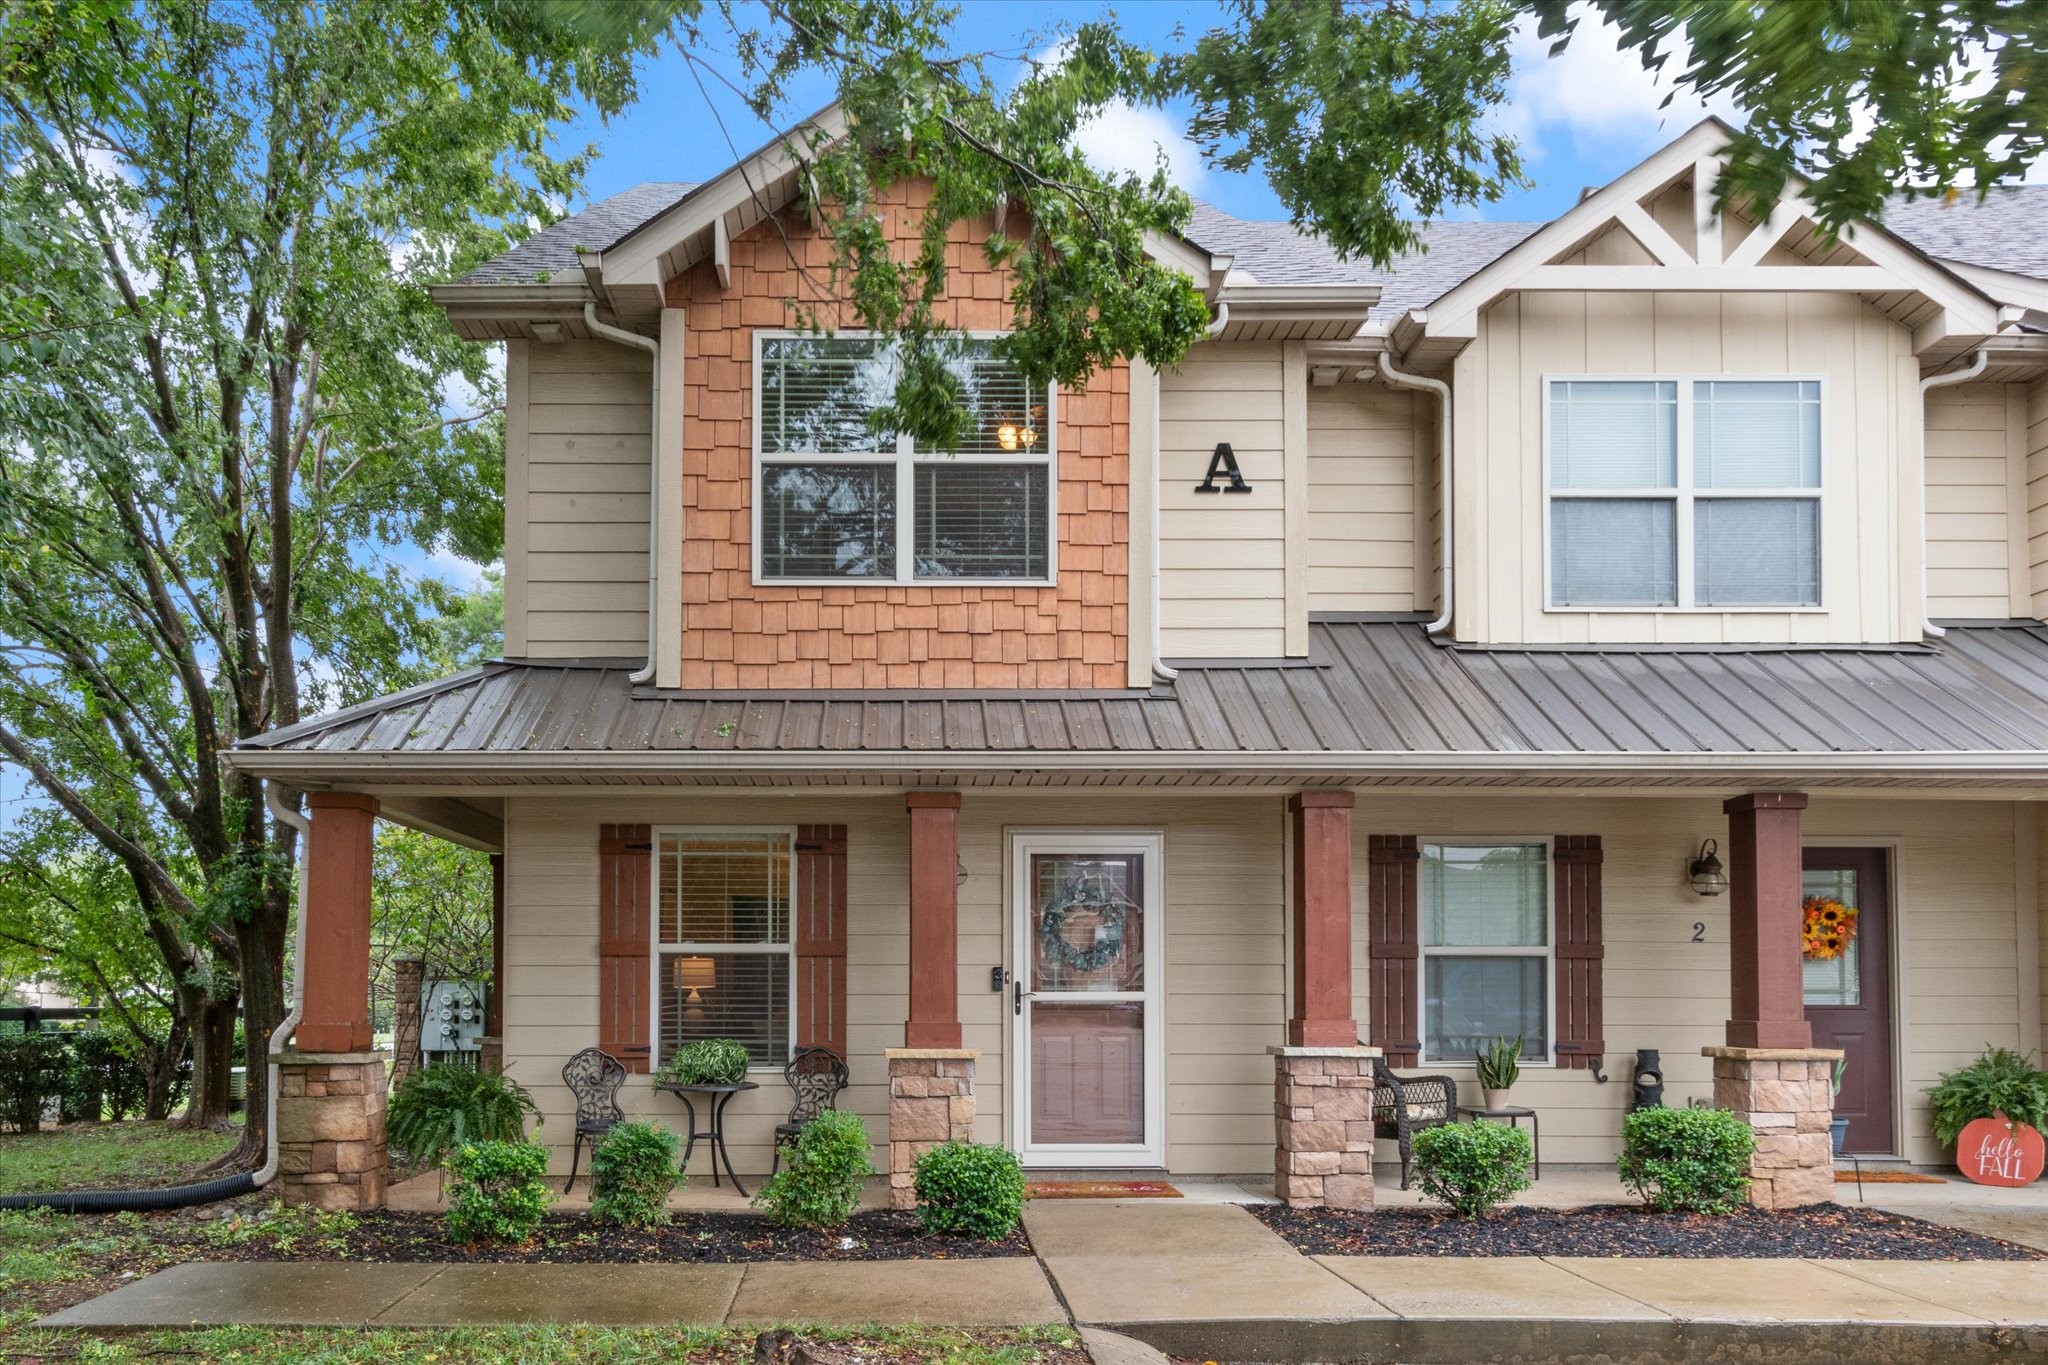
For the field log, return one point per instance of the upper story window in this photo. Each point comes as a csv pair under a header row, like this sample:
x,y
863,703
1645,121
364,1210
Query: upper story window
x,y
837,502
1684,493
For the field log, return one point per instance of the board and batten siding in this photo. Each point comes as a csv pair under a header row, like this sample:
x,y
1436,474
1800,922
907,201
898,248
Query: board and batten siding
x,y
1870,529
2036,443
1978,560
1371,498
579,418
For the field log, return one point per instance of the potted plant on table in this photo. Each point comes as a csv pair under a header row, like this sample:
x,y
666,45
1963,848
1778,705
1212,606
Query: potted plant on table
x,y
709,1061
1500,1066
1838,1126
1992,1112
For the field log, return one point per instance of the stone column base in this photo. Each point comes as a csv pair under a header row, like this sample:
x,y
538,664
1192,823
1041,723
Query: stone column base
x,y
1322,1120
330,1129
1782,1093
931,1100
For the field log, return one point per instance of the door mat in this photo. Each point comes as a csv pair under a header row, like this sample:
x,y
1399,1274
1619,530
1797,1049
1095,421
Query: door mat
x,y
1100,1189
1890,1178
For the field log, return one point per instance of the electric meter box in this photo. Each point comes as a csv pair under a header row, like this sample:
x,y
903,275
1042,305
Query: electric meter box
x,y
452,1017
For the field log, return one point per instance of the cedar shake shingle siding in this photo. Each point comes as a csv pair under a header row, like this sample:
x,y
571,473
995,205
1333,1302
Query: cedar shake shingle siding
x,y
737,634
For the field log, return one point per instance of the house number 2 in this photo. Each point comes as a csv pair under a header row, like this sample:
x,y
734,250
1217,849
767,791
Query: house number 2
x,y
1699,931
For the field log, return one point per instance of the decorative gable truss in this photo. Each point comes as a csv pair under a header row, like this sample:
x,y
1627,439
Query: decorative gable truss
x,y
1655,228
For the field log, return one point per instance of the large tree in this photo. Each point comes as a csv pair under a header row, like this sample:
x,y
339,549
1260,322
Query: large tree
x,y
221,386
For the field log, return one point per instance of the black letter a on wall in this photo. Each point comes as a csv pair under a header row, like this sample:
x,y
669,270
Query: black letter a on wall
x,y
1223,462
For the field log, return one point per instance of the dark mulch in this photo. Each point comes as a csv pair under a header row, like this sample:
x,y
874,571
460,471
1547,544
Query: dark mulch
x,y
879,1235
1621,1230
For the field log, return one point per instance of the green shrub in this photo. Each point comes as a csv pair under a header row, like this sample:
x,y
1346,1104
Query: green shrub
x,y
33,1069
708,1061
632,1175
443,1105
1472,1166
105,1079
820,1181
1687,1160
968,1188
499,1193
2000,1081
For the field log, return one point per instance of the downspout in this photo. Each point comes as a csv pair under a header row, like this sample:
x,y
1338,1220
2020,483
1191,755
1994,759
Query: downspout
x,y
1937,381
653,348
1402,380
1159,669
294,999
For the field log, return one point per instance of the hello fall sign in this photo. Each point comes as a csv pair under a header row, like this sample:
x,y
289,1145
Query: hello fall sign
x,y
1997,1151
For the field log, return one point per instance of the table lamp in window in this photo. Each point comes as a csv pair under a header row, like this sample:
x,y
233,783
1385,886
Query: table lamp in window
x,y
695,975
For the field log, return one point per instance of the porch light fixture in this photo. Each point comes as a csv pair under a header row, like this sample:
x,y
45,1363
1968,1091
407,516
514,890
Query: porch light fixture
x,y
1708,876
696,975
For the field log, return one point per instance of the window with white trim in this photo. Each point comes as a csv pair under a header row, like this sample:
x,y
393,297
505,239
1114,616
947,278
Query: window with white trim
x,y
1684,493
1486,956
836,501
724,962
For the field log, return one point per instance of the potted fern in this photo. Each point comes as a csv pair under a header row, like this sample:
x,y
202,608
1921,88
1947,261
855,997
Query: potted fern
x,y
1500,1065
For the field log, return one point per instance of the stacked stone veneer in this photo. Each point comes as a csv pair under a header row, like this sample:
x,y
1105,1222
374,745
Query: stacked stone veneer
x,y
1783,1094
931,1100
330,1129
1322,1120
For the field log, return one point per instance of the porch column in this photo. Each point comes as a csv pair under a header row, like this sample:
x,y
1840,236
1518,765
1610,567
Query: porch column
x,y
335,918
1766,994
330,1098
1322,920
934,1020
492,1045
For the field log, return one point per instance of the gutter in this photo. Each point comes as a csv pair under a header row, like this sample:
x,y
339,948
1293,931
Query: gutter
x,y
1937,381
653,348
1403,380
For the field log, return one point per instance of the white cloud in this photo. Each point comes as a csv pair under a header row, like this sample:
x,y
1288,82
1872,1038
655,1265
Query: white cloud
x,y
454,570
1127,138
1594,94
460,398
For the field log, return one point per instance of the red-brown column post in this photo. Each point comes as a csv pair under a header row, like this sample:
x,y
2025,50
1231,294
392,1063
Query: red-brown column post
x,y
1322,920
934,1020
1766,997
335,919
492,1045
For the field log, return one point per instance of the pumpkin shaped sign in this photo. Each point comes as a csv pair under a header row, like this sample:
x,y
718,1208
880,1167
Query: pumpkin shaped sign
x,y
1998,1151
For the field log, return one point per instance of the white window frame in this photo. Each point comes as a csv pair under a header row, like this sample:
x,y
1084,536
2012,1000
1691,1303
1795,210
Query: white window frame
x,y
906,461
659,951
1685,495
1548,952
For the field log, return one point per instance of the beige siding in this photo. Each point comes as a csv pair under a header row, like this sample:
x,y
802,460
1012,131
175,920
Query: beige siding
x,y
1871,516
1223,556
2036,455
1368,483
577,485
1970,467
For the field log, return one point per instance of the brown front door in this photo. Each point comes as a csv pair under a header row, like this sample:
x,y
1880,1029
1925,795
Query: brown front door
x,y
1849,995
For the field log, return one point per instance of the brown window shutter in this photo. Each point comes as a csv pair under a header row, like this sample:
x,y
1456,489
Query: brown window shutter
x,y
821,937
625,913
1393,867
1581,1031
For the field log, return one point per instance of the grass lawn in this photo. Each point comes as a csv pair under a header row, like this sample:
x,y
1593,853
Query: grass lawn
x,y
107,1156
50,1261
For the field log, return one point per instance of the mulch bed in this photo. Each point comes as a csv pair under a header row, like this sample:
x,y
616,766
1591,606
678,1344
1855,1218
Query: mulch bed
x,y
1622,1230
877,1235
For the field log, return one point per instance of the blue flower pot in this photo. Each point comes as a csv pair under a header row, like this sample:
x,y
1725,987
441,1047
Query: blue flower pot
x,y
1839,1129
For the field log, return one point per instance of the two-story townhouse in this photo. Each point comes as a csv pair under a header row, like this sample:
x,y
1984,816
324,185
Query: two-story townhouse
x,y
1509,643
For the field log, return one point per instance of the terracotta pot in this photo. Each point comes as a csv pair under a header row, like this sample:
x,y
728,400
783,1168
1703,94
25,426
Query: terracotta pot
x,y
1495,1099
1998,1151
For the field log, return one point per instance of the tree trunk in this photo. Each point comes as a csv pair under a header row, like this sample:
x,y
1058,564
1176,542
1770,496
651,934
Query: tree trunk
x,y
261,941
160,1071
213,1056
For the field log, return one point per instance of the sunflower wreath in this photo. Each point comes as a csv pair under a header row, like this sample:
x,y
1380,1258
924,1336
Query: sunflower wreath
x,y
1827,929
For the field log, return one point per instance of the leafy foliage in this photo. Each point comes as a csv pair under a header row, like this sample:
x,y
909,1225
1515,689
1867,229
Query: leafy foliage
x,y
969,1188
632,1174
429,899
708,1061
1999,1081
1499,1065
33,1069
499,1192
820,1181
1472,1166
1687,1160
444,1105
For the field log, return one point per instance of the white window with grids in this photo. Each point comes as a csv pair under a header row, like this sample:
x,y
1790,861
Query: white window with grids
x,y
836,502
1684,493
723,959
1486,948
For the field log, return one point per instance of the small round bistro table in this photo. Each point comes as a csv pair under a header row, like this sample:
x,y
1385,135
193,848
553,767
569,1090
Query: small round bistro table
x,y
719,1097
1512,1115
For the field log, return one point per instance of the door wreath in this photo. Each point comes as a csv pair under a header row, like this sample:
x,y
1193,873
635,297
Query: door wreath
x,y
1108,944
1828,927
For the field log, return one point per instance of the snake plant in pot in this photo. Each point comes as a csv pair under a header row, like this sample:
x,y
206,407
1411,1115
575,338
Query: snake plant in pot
x,y
1838,1126
1499,1064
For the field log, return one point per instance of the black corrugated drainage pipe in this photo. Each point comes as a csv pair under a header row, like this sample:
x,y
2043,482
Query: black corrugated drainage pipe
x,y
135,1201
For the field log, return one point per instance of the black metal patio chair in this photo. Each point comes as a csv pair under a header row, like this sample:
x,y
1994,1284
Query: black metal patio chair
x,y
816,1075
593,1077
1403,1106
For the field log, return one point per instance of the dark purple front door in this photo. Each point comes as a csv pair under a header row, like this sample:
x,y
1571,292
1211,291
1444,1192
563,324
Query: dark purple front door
x,y
1849,997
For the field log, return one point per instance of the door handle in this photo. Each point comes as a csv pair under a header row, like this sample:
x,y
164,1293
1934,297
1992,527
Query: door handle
x,y
1022,996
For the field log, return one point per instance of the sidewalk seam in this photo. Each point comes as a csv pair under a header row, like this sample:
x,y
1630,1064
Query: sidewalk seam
x,y
1610,1289
1902,1293
378,1316
725,1313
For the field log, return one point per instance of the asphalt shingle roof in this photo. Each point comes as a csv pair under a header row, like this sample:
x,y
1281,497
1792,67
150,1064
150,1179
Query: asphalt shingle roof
x,y
552,251
2006,231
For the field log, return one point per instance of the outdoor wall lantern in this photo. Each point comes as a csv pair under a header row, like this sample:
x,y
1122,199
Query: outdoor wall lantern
x,y
1708,877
